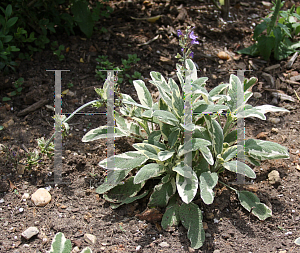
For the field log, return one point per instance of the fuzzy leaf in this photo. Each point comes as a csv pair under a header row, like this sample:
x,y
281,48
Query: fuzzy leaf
x,y
149,150
252,204
128,160
101,133
216,134
265,150
128,200
165,155
187,185
171,216
143,93
148,171
114,177
173,137
208,181
191,218
162,193
239,167
60,244
166,117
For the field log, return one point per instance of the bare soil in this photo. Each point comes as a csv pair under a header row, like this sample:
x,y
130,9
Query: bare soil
x,y
75,208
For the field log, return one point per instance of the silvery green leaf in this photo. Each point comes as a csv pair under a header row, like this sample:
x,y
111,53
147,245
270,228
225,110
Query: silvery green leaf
x,y
166,117
86,250
148,171
191,218
247,95
263,150
249,83
231,152
218,89
179,75
100,133
128,100
165,96
253,112
191,69
165,155
202,133
239,167
134,128
147,113
171,216
121,123
159,81
199,82
162,193
188,127
234,91
186,186
129,200
114,177
208,180
128,160
173,137
203,92
177,103
270,108
252,204
60,244
173,85
124,190
207,109
216,134
143,93
195,144
148,150
184,170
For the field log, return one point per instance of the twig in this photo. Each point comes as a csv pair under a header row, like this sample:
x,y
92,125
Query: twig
x,y
297,95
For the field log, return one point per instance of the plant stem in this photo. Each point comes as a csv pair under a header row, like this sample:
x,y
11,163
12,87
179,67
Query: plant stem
x,y
228,186
71,116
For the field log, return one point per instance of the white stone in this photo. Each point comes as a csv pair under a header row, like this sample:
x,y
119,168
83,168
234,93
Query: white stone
x,y
89,238
164,244
274,177
138,248
30,232
41,197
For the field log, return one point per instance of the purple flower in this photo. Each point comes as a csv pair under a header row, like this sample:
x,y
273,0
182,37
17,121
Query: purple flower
x,y
179,33
194,42
192,54
193,36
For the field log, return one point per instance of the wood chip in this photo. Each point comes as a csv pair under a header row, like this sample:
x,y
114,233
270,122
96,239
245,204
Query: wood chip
x,y
276,66
292,60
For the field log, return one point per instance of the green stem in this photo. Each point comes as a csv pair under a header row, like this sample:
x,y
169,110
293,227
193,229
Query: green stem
x,y
228,186
71,116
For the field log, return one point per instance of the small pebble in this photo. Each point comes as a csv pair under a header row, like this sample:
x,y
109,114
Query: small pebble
x,y
274,120
138,248
164,244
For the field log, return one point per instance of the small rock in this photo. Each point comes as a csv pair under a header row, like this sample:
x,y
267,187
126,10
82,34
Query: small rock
x,y
204,225
25,196
89,238
41,197
223,55
217,251
30,232
267,5
138,248
274,120
275,130
70,93
262,135
166,60
191,250
164,244
75,250
282,251
295,78
257,95
274,177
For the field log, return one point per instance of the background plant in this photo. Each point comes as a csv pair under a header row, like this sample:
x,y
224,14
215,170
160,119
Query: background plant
x,y
18,89
27,25
275,35
62,245
127,65
159,127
